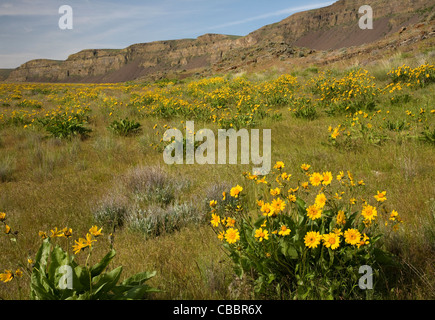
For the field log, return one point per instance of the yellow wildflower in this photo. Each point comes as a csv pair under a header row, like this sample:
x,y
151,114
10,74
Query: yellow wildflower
x,y
312,239
327,178
314,212
279,165
369,212
215,220
341,218
261,234
7,276
232,235
381,196
331,240
352,236
95,232
316,178
284,231
236,191
320,201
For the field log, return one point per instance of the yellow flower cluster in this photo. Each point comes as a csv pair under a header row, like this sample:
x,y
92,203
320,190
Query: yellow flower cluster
x,y
83,243
8,275
229,232
282,203
354,85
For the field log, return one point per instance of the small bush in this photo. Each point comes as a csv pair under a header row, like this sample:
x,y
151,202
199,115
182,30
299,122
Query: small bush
x,y
65,125
150,185
428,135
308,240
398,125
304,109
111,211
155,221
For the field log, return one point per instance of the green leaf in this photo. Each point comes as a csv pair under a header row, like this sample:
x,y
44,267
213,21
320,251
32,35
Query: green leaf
x,y
302,206
58,258
292,252
384,258
259,222
136,292
138,278
105,282
80,278
42,255
39,293
39,283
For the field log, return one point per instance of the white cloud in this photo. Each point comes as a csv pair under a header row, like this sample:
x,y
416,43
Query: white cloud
x,y
27,8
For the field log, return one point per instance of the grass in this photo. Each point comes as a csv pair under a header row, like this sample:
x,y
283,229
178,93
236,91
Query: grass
x,y
47,182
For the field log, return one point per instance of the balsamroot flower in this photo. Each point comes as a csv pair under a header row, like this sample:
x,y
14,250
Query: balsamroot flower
x,y
314,212
7,276
234,192
232,235
352,236
95,232
331,240
261,234
312,239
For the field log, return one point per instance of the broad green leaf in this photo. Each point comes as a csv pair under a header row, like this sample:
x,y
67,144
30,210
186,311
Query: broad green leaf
x,y
105,282
80,278
292,253
42,255
58,258
134,293
138,278
40,293
384,258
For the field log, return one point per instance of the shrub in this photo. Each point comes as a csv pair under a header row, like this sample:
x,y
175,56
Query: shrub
x,y
111,211
155,221
125,127
306,240
150,185
428,135
31,104
64,125
305,109
413,77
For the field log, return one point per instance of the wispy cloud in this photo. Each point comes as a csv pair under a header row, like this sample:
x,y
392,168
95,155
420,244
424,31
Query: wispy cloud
x,y
278,13
29,8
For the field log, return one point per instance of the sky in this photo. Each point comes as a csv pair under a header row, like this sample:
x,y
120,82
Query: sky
x,y
29,29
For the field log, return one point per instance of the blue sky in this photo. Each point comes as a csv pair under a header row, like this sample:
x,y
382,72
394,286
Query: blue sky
x,y
29,29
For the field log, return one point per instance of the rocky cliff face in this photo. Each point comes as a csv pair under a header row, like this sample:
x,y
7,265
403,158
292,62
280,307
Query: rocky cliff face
x,y
332,27
336,26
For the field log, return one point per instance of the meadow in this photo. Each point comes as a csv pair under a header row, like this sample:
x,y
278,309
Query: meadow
x,y
353,150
